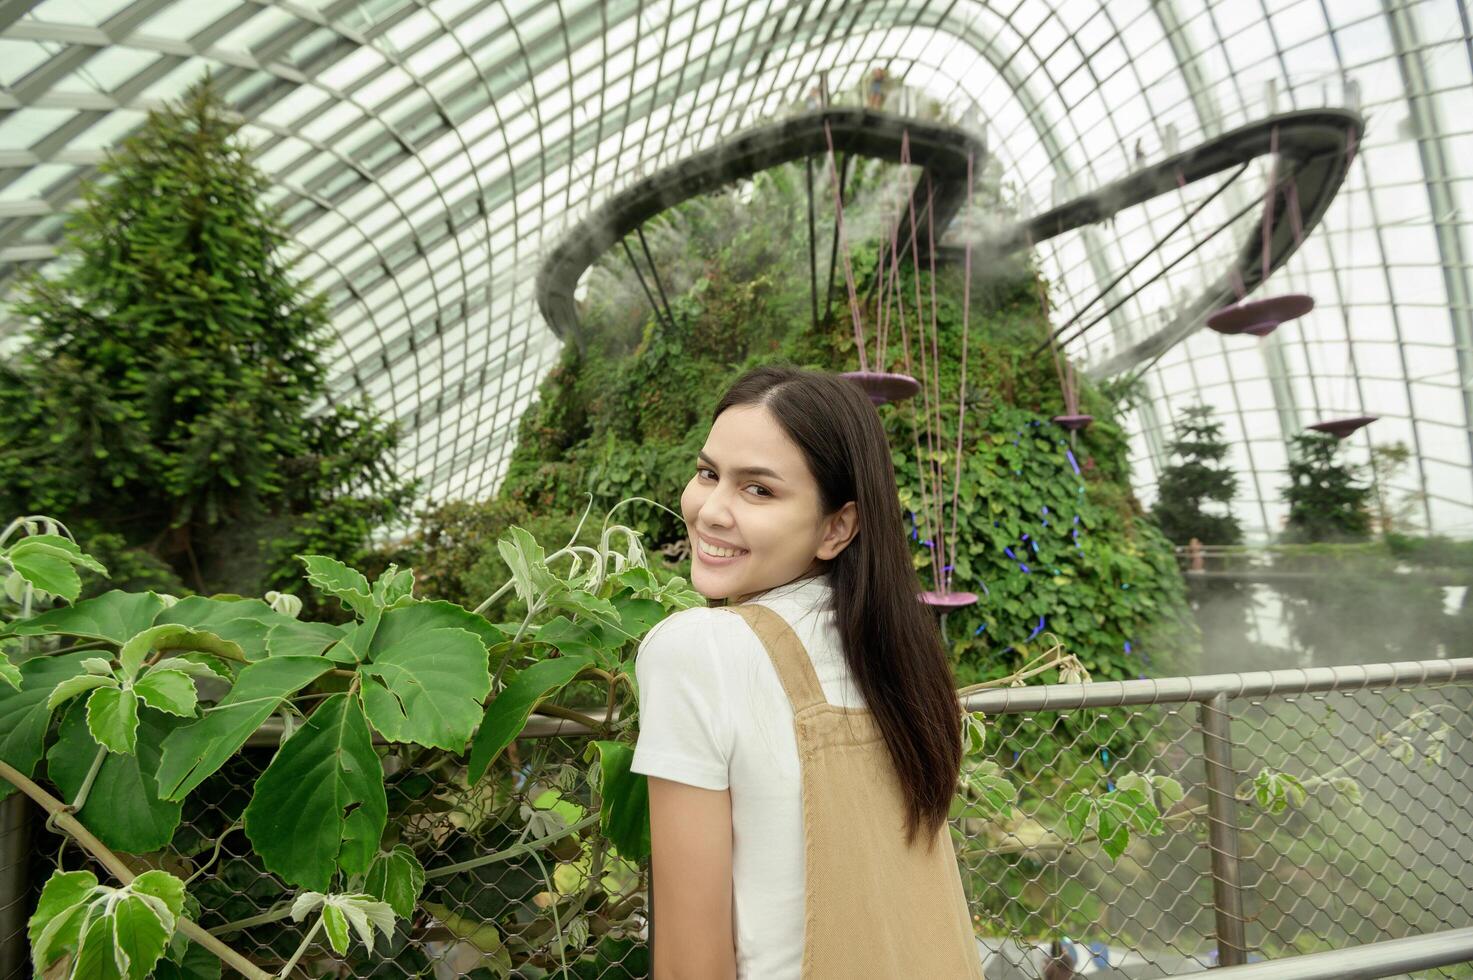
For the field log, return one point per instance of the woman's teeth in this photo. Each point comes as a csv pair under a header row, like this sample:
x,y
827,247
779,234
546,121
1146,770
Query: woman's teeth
x,y
720,552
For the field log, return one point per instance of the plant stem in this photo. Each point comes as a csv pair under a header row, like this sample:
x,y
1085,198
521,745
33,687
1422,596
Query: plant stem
x,y
557,926
215,853
121,871
286,971
283,910
558,711
513,851
274,914
531,611
81,799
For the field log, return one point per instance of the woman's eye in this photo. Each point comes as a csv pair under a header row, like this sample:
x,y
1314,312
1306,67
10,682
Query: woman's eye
x,y
765,492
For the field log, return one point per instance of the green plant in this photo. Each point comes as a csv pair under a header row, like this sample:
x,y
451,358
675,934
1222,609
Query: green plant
x,y
1392,515
163,397
1196,479
1325,501
112,702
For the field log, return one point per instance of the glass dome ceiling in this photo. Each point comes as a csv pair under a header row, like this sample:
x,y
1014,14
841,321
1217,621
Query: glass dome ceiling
x,y
428,153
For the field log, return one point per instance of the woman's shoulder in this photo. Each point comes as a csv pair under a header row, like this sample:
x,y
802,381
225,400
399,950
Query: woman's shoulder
x,y
700,633
683,621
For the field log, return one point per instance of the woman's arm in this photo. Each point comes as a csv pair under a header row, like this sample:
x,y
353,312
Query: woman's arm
x,y
690,843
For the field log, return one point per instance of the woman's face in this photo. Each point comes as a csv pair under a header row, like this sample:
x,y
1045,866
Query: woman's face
x,y
752,492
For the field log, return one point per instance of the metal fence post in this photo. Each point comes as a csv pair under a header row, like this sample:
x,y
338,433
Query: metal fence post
x,y
1222,830
15,855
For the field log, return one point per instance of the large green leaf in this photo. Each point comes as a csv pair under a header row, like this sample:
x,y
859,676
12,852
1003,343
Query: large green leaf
x,y
168,690
171,638
24,714
572,639
320,805
113,616
428,689
638,615
507,714
624,807
585,605
48,562
244,622
406,622
122,808
57,543
194,751
295,638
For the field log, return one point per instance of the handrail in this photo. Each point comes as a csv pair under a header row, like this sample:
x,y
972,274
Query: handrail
x,y
1203,687
1386,958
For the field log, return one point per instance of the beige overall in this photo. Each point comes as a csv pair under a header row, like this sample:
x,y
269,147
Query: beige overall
x,y
873,908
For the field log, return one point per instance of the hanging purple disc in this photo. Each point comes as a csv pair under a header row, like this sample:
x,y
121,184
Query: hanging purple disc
x,y
947,601
1073,422
1340,428
883,387
1260,316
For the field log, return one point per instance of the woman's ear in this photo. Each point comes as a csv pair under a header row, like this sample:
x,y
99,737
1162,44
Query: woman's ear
x,y
839,531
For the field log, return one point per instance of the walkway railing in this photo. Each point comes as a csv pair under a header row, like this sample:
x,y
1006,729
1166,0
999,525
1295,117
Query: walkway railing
x,y
1322,809
1326,818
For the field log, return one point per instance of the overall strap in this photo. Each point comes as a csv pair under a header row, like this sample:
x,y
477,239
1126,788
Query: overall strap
x,y
788,655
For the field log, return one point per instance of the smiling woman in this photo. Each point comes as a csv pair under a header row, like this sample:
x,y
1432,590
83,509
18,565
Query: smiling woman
x,y
801,734
782,533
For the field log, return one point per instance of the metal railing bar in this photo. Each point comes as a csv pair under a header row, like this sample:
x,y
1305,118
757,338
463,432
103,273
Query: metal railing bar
x,y
1382,959
1204,687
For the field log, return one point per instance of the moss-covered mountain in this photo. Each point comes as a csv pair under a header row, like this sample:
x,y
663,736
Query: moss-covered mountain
x,y
1047,530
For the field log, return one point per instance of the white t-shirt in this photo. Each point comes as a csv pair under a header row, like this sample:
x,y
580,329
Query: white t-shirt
x,y
713,714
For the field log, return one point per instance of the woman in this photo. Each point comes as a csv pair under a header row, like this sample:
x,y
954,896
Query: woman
x,y
841,865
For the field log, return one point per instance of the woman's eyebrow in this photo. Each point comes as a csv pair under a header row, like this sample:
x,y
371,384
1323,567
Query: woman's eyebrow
x,y
746,470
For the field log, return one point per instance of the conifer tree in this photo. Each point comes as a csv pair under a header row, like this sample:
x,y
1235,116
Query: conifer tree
x,y
170,393
1325,501
1198,478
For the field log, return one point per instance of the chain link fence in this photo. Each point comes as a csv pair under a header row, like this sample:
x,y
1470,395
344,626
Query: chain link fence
x,y
1320,809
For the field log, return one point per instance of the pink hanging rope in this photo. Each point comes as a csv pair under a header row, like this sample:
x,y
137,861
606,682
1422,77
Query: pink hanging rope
x,y
1062,367
844,248
931,492
1271,196
936,360
887,281
961,400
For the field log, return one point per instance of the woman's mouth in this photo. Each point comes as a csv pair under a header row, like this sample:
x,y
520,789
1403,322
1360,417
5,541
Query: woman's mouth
x,y
722,556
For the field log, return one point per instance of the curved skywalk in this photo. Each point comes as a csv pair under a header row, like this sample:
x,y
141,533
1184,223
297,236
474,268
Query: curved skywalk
x,y
428,155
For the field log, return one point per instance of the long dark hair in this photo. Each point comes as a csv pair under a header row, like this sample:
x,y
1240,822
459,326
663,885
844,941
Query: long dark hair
x,y
890,639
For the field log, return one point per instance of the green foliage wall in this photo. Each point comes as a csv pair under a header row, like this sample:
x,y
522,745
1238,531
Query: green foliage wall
x,y
626,410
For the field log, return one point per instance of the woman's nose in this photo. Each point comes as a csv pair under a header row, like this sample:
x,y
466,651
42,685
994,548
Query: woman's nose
x,y
715,505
